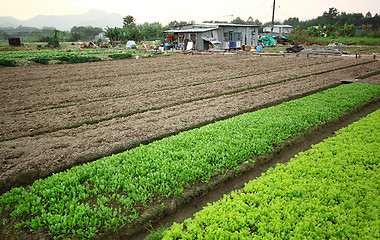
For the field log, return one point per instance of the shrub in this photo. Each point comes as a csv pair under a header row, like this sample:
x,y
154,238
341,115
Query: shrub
x,y
120,55
8,63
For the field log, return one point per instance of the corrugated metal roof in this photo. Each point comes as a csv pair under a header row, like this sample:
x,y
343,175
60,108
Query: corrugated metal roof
x,y
191,30
225,25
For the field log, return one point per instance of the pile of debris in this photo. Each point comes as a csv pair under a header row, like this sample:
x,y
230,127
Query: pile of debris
x,y
88,45
336,44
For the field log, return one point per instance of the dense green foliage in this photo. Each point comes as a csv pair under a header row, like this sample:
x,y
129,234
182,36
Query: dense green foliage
x,y
41,59
301,37
75,56
349,40
8,63
104,194
26,33
120,55
83,33
78,59
132,31
328,192
334,17
69,58
77,33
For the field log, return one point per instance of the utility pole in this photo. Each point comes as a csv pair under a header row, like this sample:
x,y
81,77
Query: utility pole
x,y
271,31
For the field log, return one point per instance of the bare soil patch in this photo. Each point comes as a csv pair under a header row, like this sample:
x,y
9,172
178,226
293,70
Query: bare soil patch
x,y
50,113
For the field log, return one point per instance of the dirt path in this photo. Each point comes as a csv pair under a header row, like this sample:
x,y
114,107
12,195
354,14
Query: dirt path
x,y
26,158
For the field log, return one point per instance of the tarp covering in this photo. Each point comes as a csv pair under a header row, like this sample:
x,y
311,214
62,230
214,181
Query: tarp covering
x,y
321,51
268,41
213,41
294,49
282,37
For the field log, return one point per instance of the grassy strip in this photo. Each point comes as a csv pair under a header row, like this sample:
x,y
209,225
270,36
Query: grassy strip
x,y
329,191
106,194
96,121
348,40
371,74
163,89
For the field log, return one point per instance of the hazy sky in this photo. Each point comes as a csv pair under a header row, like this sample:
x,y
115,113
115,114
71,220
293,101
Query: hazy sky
x,y
164,11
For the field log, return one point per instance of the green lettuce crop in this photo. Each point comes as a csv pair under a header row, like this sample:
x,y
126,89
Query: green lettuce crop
x,y
105,194
328,192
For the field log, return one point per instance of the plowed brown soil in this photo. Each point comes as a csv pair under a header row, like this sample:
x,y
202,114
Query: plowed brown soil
x,y
56,116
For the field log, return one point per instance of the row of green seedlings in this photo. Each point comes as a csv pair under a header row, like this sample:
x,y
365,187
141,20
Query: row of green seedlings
x,y
60,52
10,60
106,194
328,192
78,59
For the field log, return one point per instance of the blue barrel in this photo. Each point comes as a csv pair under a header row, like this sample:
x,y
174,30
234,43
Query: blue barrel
x,y
259,48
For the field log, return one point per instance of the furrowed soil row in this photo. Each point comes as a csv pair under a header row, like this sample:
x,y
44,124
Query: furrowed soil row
x,y
68,92
198,77
188,64
38,123
26,159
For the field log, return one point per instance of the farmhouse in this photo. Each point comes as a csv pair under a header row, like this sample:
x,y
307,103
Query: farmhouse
x,y
282,30
222,36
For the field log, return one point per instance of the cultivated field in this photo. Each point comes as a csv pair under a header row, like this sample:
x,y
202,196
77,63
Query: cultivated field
x,y
56,116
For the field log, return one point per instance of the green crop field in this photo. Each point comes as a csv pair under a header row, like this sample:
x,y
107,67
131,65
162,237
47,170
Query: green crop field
x,y
58,56
328,192
106,194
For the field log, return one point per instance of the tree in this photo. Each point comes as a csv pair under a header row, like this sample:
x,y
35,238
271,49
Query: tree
x,y
330,16
54,41
75,36
237,20
84,33
176,23
375,23
114,34
293,21
368,15
128,21
250,21
130,30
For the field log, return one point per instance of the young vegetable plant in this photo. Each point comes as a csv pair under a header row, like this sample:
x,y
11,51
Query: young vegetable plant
x,y
107,193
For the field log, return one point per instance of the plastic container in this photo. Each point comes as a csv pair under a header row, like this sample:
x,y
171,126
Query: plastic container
x,y
259,48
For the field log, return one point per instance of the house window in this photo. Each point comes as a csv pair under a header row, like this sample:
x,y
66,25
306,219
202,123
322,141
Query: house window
x,y
232,36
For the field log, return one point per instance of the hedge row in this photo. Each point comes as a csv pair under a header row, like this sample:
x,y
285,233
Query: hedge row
x,y
67,58
105,194
328,192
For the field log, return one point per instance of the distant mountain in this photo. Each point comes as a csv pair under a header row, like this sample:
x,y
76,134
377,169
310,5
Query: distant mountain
x,y
9,22
94,18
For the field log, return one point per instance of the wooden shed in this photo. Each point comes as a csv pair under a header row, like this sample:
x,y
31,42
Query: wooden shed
x,y
16,42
